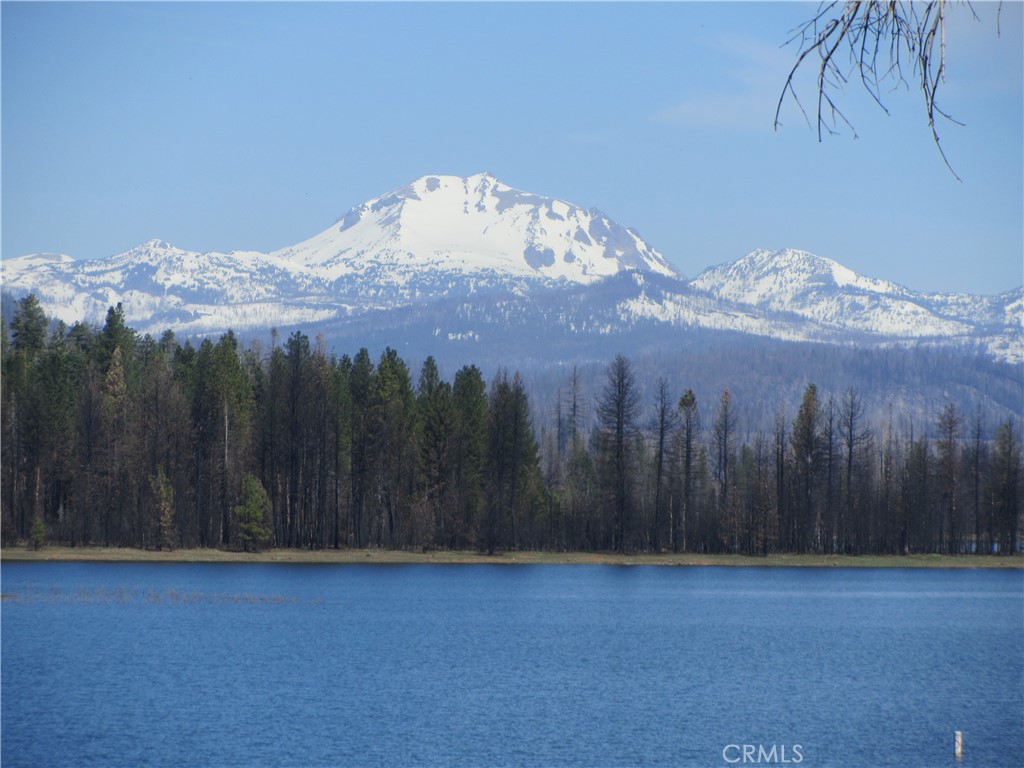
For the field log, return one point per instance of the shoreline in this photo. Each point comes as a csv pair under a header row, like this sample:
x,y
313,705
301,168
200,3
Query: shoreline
x,y
401,557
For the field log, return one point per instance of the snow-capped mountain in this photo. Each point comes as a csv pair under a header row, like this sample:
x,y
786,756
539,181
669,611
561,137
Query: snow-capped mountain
x,y
834,296
474,226
161,286
464,258
438,236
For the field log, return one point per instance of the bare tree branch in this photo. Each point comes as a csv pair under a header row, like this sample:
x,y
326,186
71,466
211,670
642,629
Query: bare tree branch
x,y
851,38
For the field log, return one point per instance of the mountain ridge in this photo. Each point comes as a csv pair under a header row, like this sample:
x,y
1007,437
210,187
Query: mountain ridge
x,y
824,290
448,241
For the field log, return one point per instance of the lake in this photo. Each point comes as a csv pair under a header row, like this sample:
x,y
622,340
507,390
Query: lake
x,y
133,664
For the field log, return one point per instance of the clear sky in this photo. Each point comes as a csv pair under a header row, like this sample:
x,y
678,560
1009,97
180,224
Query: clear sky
x,y
255,125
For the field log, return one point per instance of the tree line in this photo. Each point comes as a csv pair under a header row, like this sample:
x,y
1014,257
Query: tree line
x,y
114,439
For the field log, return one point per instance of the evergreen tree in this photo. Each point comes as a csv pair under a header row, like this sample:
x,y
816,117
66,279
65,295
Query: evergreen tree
x,y
28,327
855,439
251,514
163,500
115,334
342,436
947,471
975,463
117,478
469,403
723,526
360,379
806,444
917,497
582,499
690,428
38,533
437,437
512,464
24,409
1005,487
394,459
111,438
617,411
666,423
221,410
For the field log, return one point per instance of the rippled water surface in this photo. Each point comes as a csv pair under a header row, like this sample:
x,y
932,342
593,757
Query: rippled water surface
x,y
478,665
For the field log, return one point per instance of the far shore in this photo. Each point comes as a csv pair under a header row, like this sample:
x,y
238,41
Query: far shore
x,y
442,557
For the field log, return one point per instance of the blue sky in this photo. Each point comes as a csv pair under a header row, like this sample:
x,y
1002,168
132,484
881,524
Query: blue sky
x,y
255,125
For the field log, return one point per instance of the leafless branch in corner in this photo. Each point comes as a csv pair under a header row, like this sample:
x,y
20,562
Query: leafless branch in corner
x,y
877,43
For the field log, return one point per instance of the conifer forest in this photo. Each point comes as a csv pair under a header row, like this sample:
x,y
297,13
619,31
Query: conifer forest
x,y
110,438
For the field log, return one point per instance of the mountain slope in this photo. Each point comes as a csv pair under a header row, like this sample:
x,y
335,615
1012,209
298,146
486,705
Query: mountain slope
x,y
826,292
472,259
473,226
163,286
438,236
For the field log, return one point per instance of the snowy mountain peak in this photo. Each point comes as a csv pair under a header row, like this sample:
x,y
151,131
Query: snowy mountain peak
x,y
825,291
36,260
474,225
440,242
764,277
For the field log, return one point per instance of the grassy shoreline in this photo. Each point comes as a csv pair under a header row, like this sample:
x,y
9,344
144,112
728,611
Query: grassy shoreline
x,y
385,556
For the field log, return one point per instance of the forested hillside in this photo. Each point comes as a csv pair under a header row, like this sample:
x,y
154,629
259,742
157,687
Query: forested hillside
x,y
115,439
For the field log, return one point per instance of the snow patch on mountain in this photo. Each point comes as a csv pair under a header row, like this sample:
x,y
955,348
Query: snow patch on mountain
x,y
473,226
446,241
438,236
822,290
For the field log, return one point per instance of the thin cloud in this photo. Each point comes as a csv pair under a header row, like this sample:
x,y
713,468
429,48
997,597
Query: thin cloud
x,y
753,73
744,111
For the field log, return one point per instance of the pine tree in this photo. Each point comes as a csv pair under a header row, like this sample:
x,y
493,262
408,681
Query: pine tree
x,y
24,409
469,401
723,527
251,514
38,533
1005,486
394,457
163,498
617,411
360,379
28,327
947,471
437,434
855,439
117,480
805,440
691,426
512,464
666,423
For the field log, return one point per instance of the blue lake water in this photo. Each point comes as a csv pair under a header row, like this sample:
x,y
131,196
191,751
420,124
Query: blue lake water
x,y
477,665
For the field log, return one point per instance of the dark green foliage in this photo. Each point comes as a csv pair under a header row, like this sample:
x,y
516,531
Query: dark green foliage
x,y
361,436
617,413
392,421
805,441
1005,488
109,438
469,453
251,514
437,455
28,328
512,467
163,503
38,533
683,511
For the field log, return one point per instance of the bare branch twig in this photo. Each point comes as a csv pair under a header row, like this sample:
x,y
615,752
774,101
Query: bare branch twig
x,y
864,29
